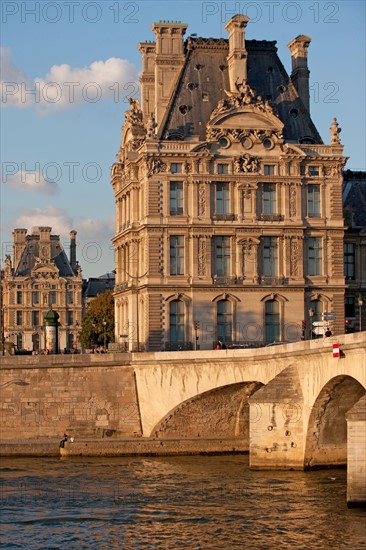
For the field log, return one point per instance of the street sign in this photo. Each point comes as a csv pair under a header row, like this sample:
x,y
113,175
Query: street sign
x,y
318,323
335,350
329,316
318,330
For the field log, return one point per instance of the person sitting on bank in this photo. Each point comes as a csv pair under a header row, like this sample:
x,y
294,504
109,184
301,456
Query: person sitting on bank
x,y
63,441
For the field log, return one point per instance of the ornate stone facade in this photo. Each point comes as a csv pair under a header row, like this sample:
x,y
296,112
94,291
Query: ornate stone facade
x,y
38,278
228,203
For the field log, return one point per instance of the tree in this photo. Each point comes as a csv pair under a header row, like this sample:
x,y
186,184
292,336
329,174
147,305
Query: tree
x,y
98,323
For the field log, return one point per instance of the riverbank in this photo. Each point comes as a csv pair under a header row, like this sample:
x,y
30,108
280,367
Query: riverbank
x,y
125,447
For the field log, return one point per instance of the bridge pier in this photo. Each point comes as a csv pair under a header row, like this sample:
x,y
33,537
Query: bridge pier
x,y
356,454
277,436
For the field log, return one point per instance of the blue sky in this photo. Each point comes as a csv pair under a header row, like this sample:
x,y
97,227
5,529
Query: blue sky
x,y
68,68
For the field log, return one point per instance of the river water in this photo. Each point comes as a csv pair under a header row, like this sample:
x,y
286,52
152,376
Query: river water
x,y
211,502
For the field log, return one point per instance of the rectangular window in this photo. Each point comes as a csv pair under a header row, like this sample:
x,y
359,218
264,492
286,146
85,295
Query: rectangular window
x,y
52,298
35,298
349,307
269,205
35,318
270,256
222,168
177,321
19,318
222,203
176,167
70,318
269,169
315,256
70,297
19,297
177,255
176,198
349,261
313,170
221,256
313,201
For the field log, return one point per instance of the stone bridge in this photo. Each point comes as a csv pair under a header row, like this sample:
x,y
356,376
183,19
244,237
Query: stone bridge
x,y
285,404
289,401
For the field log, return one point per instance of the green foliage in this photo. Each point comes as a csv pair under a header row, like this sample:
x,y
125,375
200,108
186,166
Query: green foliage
x,y
92,327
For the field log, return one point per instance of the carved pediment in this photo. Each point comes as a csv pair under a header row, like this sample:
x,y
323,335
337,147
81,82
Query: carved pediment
x,y
133,129
246,111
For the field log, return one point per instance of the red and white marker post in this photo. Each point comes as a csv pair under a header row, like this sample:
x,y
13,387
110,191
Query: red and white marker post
x,y
336,351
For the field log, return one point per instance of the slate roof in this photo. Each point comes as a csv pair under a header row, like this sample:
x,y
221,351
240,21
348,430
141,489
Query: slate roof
x,y
354,199
204,77
31,252
97,285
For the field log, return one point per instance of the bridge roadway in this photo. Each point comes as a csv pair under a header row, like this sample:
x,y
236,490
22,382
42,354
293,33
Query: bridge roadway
x,y
287,402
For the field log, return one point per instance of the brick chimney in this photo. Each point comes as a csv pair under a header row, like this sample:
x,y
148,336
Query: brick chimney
x,y
237,58
300,72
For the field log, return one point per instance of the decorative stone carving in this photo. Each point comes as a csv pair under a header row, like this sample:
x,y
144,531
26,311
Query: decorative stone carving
x,y
201,200
151,127
292,201
134,114
246,163
202,256
335,130
155,165
295,256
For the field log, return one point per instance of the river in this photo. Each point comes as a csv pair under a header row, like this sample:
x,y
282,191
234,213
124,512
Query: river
x,y
193,503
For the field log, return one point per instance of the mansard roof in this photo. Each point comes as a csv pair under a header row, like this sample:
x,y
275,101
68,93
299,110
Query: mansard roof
x,y
204,79
31,257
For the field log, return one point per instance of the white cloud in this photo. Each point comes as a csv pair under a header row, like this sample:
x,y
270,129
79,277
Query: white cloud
x,y
65,87
94,248
51,216
33,182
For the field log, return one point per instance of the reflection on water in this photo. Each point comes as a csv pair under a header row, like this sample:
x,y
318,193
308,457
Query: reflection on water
x,y
212,502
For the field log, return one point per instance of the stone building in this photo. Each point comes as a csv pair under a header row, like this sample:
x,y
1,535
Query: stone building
x,y
40,276
229,219
354,209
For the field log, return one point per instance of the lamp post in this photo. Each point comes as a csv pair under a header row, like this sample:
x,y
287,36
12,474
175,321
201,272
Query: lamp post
x,y
105,333
360,304
76,335
311,315
93,336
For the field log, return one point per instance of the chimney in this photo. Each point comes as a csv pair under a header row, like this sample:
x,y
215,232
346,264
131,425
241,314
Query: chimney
x,y
44,250
169,60
73,261
237,58
300,72
19,240
147,78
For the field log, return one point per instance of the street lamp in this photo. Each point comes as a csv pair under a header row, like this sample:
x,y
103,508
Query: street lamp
x,y
105,333
76,335
360,304
93,335
311,315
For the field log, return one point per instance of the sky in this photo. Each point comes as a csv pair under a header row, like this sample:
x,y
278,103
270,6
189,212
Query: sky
x,y
69,67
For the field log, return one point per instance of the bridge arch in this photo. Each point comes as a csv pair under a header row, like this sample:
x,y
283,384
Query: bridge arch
x,y
220,412
326,437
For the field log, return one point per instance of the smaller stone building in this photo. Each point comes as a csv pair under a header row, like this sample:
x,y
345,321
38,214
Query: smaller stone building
x,y
354,209
40,276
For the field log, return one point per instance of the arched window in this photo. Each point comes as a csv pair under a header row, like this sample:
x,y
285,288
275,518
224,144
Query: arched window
x,y
224,321
176,325
272,321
